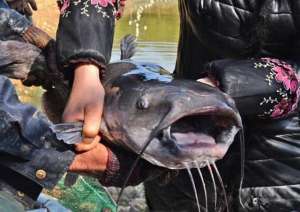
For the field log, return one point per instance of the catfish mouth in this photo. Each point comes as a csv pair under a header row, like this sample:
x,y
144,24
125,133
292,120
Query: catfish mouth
x,y
201,137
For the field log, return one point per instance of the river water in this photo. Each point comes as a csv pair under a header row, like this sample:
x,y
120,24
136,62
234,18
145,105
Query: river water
x,y
156,31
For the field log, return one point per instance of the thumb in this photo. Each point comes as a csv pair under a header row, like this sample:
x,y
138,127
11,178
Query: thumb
x,y
92,121
91,126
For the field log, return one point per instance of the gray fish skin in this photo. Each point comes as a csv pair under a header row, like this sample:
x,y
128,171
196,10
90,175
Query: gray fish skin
x,y
185,121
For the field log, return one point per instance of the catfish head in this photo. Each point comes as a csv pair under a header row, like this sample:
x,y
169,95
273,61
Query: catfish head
x,y
174,122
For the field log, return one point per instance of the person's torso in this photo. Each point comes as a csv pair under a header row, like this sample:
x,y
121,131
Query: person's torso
x,y
247,28
271,179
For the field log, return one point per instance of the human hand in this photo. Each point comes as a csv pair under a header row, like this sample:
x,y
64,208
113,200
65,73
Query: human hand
x,y
37,37
23,6
86,104
111,165
92,162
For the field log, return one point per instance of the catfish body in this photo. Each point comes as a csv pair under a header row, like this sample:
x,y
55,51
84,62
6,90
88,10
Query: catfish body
x,y
172,123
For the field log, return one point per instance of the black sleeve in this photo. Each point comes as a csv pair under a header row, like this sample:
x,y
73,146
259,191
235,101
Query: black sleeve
x,y
264,87
85,32
28,145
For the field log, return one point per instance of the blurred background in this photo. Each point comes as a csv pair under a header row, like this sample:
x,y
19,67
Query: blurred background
x,y
155,23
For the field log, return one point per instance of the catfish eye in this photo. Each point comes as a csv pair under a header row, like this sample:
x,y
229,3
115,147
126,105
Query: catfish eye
x,y
142,104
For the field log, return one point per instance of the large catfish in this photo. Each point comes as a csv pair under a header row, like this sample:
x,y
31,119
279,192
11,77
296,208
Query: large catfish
x,y
175,123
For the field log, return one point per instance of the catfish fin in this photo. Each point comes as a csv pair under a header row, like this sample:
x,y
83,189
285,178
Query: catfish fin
x,y
128,46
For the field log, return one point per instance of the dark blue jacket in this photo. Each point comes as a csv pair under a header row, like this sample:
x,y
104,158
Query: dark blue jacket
x,y
31,157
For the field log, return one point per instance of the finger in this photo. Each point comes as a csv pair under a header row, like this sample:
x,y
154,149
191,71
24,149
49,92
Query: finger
x,y
87,145
30,36
79,164
26,37
33,4
27,10
90,162
92,120
87,140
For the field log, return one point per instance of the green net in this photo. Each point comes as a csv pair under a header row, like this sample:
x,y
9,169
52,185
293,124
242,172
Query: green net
x,y
86,195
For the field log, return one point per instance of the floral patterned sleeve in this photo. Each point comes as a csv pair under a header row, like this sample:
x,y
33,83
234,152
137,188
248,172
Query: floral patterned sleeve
x,y
264,87
85,32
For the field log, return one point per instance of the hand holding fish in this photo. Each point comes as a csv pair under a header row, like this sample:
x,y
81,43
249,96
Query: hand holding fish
x,y
86,104
92,162
110,166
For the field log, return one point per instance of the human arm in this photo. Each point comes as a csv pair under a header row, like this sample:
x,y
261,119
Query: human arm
x,y
265,87
84,43
86,104
87,81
